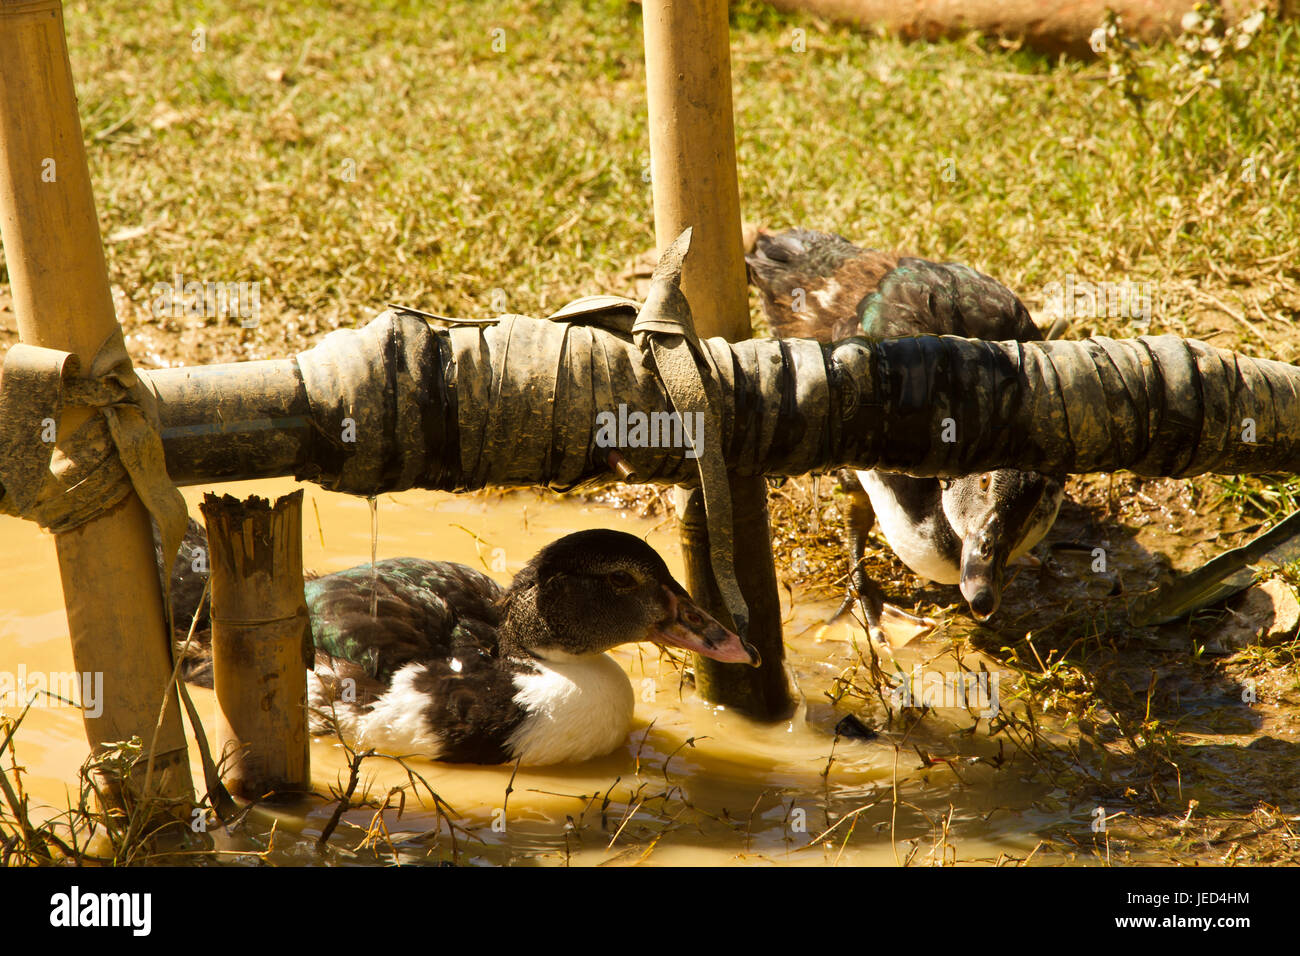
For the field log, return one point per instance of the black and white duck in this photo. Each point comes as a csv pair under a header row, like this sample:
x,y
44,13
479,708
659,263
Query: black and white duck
x,y
962,531
433,658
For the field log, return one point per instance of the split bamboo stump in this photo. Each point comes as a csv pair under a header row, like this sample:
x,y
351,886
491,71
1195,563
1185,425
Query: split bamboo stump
x,y
261,644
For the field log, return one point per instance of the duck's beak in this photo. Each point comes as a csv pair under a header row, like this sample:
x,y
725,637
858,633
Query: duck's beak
x,y
690,627
1016,505
983,565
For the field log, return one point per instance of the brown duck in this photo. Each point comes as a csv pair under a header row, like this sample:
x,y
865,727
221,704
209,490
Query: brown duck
x,y
962,531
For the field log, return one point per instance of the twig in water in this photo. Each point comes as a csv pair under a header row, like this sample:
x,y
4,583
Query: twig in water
x,y
345,802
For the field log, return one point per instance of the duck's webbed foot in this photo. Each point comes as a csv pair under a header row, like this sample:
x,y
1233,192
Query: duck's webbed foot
x,y
861,591
901,627
866,595
886,623
865,592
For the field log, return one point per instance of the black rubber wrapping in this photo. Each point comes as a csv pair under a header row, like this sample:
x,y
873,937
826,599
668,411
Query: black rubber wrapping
x,y
441,431
1156,406
1173,445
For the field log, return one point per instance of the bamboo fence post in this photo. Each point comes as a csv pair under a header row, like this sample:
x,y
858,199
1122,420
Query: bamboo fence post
x,y
693,168
62,300
261,644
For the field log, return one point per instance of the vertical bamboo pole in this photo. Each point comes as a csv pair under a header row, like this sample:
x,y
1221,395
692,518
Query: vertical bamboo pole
x,y
763,691
693,165
62,300
261,644
693,157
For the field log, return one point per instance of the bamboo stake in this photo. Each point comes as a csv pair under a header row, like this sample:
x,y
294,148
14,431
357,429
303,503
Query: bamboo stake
x,y
693,165
757,580
62,300
693,157
261,644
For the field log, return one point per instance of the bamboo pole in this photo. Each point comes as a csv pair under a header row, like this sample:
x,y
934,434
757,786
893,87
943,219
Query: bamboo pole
x,y
693,157
62,300
693,169
757,581
261,644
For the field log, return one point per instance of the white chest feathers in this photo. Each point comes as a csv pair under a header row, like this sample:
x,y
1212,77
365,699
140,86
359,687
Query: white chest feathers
x,y
914,544
578,708
396,724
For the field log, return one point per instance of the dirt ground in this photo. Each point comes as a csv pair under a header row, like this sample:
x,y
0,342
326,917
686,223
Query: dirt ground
x,y
1195,740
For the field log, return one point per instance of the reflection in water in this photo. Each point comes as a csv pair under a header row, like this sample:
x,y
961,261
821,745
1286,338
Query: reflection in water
x,y
694,784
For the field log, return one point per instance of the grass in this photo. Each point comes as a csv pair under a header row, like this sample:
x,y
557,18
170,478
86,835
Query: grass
x,y
343,159
95,829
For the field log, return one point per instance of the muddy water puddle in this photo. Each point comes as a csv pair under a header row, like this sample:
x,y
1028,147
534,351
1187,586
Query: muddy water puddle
x,y
693,784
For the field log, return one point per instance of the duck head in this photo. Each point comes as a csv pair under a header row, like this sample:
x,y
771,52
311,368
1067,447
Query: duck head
x,y
998,515
593,590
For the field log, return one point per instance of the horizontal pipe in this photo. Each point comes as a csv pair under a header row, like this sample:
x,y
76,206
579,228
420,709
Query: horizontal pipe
x,y
927,405
233,422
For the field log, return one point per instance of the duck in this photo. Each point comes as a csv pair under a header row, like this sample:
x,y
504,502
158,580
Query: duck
x,y
963,531
436,659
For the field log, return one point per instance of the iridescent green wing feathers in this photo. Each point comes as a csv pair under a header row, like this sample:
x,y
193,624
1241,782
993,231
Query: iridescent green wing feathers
x,y
919,297
383,616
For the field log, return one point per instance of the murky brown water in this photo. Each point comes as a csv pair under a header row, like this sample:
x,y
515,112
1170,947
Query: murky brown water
x,y
738,792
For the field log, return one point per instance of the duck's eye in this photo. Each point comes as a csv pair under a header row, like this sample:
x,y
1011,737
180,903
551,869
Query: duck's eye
x,y
622,580
985,481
